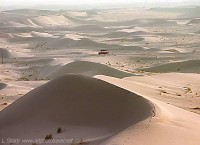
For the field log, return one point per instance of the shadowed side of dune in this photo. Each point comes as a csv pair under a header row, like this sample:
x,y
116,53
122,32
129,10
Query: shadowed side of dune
x,y
82,106
89,69
189,66
2,86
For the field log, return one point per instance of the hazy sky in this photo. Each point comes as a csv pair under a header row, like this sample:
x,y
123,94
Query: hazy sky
x,y
65,2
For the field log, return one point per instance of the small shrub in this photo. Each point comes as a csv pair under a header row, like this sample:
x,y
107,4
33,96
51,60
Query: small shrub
x,y
163,91
5,104
188,90
59,130
196,108
48,136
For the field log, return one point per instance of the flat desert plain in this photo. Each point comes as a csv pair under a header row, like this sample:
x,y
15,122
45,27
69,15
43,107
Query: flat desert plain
x,y
55,88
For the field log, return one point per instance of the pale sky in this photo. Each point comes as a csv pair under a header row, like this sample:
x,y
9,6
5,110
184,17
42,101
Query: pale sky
x,y
68,2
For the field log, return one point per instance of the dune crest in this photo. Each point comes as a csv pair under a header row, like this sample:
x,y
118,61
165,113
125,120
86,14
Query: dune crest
x,y
89,69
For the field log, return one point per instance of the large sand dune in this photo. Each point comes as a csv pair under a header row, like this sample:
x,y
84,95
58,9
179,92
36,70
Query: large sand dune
x,y
84,107
51,20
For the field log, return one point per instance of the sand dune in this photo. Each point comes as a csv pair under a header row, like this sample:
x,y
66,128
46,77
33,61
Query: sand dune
x,y
82,106
89,69
189,66
51,21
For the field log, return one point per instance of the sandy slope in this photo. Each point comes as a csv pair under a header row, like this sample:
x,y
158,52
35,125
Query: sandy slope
x,y
171,125
183,93
84,107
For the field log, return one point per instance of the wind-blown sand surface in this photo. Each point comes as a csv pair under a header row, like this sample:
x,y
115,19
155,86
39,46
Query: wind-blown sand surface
x,y
145,91
170,125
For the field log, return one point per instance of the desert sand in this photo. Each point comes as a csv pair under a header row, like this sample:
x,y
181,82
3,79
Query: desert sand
x,y
145,91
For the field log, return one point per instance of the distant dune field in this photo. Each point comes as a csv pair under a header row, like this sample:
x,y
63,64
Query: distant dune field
x,y
115,76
